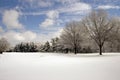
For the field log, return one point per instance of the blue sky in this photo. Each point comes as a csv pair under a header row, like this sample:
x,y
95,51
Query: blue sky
x,y
41,20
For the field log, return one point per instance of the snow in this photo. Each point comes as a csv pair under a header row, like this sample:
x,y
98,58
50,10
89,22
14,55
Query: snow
x,y
52,66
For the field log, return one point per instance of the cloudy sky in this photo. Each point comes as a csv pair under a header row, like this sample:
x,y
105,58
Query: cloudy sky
x,y
41,20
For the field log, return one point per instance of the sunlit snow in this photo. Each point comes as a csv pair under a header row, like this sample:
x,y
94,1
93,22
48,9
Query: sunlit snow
x,y
52,66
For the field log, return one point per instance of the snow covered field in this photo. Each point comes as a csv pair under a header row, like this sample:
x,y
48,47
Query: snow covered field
x,y
45,66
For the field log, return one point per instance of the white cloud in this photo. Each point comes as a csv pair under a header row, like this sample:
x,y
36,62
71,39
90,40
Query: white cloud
x,y
44,37
58,33
51,19
76,8
29,35
47,23
43,3
40,3
69,6
53,14
108,7
34,13
68,1
15,37
47,37
11,19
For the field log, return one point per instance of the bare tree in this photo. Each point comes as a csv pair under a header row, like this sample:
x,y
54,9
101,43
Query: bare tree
x,y
99,26
114,41
71,36
3,45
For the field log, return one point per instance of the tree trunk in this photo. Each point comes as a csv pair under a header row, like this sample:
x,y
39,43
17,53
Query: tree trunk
x,y
100,51
75,50
0,52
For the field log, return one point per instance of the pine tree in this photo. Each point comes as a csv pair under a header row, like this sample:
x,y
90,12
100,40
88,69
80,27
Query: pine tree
x,y
46,47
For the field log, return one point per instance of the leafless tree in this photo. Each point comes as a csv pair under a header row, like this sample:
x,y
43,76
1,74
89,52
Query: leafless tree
x,y
3,45
114,41
99,25
72,36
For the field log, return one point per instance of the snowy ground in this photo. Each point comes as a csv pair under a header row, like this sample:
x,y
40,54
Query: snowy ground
x,y
45,66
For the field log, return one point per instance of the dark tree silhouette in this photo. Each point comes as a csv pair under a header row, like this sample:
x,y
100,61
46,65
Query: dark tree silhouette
x,y
26,47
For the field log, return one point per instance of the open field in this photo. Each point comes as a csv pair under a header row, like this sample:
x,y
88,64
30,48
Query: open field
x,y
46,66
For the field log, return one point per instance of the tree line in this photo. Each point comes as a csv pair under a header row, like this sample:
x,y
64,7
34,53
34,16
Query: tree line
x,y
96,32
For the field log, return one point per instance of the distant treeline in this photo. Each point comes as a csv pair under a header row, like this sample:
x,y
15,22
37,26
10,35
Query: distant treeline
x,y
54,46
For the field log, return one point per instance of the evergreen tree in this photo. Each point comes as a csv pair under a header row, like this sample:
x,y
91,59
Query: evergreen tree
x,y
25,47
46,47
54,45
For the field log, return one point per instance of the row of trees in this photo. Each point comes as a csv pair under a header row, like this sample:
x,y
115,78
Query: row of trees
x,y
55,45
98,25
25,47
97,31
